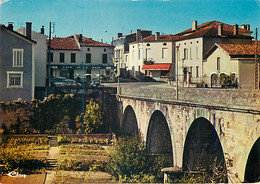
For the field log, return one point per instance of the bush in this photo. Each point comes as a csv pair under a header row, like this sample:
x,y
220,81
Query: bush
x,y
91,120
129,162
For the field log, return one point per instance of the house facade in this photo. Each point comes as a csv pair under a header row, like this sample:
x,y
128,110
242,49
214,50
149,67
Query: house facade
x,y
152,56
78,56
121,51
17,64
40,58
194,43
231,64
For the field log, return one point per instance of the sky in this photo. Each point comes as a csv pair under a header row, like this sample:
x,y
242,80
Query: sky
x,y
103,19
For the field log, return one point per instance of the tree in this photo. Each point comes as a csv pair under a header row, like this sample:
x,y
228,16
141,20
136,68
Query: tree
x,y
91,120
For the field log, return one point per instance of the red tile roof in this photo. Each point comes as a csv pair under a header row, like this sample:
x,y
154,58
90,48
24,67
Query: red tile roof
x,y
162,37
92,43
164,66
63,44
209,29
241,49
72,43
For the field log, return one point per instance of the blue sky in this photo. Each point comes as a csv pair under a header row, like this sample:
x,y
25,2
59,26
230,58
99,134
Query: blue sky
x,y
103,19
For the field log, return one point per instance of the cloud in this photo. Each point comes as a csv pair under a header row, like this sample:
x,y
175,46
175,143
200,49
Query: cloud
x,y
3,1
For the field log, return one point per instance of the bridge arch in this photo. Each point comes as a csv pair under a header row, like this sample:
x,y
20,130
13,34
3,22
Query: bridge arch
x,y
158,141
252,172
202,149
129,123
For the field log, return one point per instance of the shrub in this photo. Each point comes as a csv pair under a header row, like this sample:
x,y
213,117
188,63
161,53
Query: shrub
x,y
129,162
91,120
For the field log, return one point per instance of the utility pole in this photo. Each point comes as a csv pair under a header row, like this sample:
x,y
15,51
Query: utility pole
x,y
49,60
256,63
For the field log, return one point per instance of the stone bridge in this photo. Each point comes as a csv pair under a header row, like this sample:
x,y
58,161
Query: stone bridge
x,y
204,128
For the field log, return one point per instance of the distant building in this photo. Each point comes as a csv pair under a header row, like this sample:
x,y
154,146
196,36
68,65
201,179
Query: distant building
x,y
17,64
152,56
121,43
40,58
231,63
78,56
194,43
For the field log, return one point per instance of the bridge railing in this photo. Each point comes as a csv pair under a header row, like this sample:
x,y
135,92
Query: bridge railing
x,y
236,98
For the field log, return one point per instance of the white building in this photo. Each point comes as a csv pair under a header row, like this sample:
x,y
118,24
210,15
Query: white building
x,y
40,60
152,56
80,56
121,43
194,43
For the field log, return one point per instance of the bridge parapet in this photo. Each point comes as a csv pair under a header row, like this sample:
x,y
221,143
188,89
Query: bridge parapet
x,y
228,98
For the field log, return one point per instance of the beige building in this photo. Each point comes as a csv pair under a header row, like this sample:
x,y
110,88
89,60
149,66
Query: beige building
x,y
194,43
78,56
231,65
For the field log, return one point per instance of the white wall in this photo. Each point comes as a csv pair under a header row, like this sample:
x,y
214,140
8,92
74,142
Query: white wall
x,y
193,59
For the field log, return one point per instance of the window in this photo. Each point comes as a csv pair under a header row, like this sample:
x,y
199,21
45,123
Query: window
x,y
62,57
50,58
139,53
126,58
88,49
218,63
185,54
164,73
73,58
105,50
148,54
197,52
104,58
88,58
164,53
190,54
197,71
191,71
148,44
17,57
164,44
14,79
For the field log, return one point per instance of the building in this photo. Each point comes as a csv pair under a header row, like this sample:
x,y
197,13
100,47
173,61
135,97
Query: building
x,y
17,64
194,43
78,56
121,43
40,58
231,64
152,56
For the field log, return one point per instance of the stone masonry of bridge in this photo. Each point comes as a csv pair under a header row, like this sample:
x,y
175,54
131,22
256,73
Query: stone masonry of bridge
x,y
234,115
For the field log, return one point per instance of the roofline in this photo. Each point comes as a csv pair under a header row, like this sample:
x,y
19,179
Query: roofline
x,y
17,34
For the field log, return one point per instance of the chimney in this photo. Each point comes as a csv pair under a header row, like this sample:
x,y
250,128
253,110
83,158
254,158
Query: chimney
x,y
138,34
157,35
243,26
235,29
80,38
119,35
29,30
42,30
220,29
10,25
194,25
248,27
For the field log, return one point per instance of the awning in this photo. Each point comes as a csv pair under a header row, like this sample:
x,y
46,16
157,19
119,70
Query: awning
x,y
157,67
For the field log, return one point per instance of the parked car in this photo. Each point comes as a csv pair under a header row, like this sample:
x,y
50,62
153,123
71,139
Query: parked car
x,y
71,82
95,83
